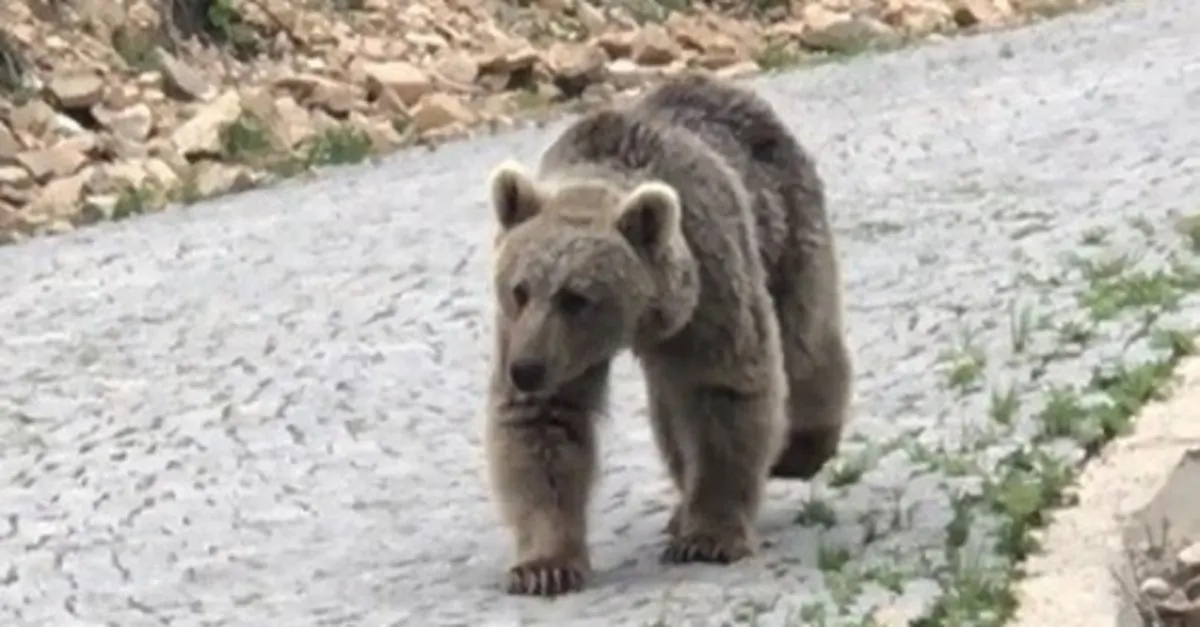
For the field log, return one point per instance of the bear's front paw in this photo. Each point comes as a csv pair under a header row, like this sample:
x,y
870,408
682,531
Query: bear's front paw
x,y
707,547
545,577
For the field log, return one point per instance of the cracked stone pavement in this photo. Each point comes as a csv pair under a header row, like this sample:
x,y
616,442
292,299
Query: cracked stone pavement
x,y
264,409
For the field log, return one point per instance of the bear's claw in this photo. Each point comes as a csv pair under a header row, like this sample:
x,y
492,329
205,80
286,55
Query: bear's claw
x,y
544,577
706,548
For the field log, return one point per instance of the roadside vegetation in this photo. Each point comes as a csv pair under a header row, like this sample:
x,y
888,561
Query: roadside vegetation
x,y
1001,476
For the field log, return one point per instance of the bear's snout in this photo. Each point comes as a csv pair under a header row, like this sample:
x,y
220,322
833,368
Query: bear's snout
x,y
527,375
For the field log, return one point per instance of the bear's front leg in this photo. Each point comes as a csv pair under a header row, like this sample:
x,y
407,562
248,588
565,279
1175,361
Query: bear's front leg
x,y
727,439
541,469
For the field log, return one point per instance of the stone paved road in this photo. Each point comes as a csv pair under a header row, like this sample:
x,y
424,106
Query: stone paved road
x,y
263,410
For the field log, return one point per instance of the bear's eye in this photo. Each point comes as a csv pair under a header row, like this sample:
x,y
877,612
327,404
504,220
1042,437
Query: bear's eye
x,y
570,301
520,295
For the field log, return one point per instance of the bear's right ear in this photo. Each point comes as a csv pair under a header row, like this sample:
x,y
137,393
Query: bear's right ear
x,y
515,197
649,216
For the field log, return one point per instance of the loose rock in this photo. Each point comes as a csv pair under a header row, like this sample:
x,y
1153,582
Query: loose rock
x,y
653,46
113,108
59,199
58,161
201,135
186,82
132,124
437,111
403,79
76,90
1156,588
1189,560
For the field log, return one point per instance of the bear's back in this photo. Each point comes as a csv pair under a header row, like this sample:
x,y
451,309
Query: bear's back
x,y
723,148
623,147
786,192
736,123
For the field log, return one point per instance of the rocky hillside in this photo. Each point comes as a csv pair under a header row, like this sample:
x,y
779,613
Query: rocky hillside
x,y
110,108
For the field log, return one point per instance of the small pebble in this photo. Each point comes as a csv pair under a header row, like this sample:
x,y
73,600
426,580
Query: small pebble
x,y
1189,559
1156,588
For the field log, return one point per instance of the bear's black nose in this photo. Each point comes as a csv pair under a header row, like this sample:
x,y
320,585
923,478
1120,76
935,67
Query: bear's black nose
x,y
528,376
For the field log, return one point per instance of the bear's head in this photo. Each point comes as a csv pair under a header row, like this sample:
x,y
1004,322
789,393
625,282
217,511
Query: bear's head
x,y
584,270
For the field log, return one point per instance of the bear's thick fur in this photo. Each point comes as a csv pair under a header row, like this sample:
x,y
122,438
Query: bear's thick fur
x,y
691,228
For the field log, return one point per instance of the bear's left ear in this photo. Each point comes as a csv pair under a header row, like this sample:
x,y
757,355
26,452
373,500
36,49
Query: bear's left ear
x,y
515,197
649,216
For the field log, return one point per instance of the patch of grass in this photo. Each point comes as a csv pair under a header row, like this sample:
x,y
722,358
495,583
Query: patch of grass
x,y
221,14
215,22
964,365
813,614
978,595
1173,341
1094,236
844,586
1004,405
1020,326
530,99
226,25
1162,289
336,146
991,531
14,70
766,7
889,577
1073,332
778,55
817,513
832,558
1033,481
1189,228
941,461
134,201
188,189
246,140
1050,10
1064,416
136,47
850,469
653,11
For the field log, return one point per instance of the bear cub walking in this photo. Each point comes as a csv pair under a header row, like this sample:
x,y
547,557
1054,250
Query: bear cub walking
x,y
689,227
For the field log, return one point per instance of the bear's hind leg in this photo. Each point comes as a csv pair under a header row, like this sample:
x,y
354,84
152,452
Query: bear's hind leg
x,y
819,378
726,441
542,473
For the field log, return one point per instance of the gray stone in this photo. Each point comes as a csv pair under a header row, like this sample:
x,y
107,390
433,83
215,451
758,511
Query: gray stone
x,y
1189,559
1156,587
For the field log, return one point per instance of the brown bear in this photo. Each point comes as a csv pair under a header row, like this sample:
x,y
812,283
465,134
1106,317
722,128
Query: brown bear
x,y
689,227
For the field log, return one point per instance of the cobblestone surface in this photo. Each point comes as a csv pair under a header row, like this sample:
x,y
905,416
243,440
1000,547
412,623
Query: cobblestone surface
x,y
263,410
